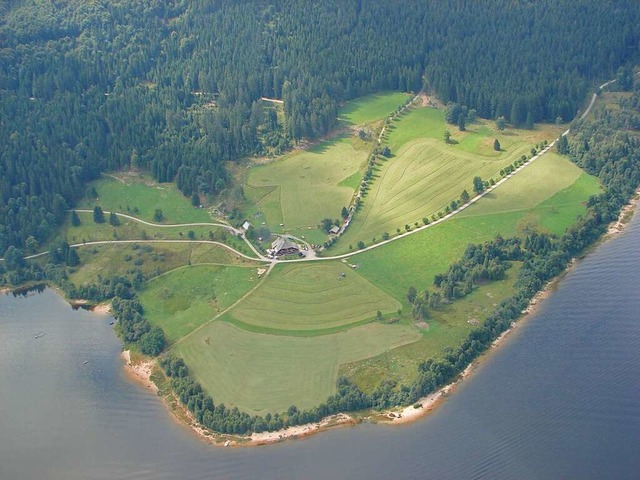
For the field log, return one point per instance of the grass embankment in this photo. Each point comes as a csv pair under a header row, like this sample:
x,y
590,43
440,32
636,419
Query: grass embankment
x,y
425,174
136,194
261,373
305,186
183,299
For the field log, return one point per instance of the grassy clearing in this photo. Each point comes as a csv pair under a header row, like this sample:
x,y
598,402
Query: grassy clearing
x,y
311,298
138,195
262,373
183,299
152,259
426,174
371,108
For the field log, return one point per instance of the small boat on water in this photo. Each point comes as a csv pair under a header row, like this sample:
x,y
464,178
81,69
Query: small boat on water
x,y
111,323
40,334
85,362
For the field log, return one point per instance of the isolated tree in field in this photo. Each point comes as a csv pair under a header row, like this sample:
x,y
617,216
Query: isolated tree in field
x,y
114,221
379,316
360,244
496,145
98,214
345,212
412,293
501,123
563,145
75,219
158,215
191,234
464,196
478,185
447,136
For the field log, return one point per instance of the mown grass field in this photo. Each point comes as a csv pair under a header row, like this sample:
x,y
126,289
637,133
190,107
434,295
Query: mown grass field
x,y
371,108
262,373
183,299
548,195
306,186
310,298
153,259
425,174
138,195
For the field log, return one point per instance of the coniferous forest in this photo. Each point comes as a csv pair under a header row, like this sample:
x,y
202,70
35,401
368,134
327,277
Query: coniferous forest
x,y
173,87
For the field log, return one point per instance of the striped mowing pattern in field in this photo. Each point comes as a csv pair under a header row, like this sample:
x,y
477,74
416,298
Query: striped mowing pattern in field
x,y
309,297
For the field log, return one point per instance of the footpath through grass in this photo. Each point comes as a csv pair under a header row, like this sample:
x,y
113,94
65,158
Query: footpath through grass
x,y
261,373
182,300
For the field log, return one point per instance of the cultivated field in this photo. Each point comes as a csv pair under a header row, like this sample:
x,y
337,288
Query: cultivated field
x,y
310,298
183,299
138,195
304,187
425,174
262,373
548,195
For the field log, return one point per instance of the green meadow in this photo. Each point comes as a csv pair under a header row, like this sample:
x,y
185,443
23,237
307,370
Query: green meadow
x,y
263,344
305,186
425,174
138,195
262,373
311,298
183,299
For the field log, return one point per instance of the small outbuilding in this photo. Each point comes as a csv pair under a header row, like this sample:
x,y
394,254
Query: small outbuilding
x,y
334,230
246,225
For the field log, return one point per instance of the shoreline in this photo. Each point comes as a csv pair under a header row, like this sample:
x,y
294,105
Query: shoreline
x,y
142,372
139,372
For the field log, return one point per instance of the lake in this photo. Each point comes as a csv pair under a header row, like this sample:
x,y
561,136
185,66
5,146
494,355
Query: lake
x,y
559,399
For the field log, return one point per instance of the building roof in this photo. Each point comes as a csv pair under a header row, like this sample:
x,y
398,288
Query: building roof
x,y
246,225
335,229
283,243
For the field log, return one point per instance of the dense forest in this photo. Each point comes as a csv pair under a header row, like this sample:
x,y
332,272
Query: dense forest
x,y
174,87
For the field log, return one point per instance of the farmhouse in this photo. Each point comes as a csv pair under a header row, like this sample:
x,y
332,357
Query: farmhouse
x,y
283,246
246,225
